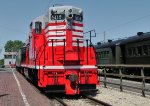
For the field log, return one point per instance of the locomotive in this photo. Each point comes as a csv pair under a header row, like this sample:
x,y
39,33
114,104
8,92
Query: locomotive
x,y
54,56
134,50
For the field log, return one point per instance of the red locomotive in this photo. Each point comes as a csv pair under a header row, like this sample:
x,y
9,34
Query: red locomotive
x,y
54,56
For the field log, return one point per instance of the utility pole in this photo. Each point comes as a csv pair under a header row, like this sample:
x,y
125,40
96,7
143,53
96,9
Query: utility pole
x,y
104,36
12,61
12,56
0,50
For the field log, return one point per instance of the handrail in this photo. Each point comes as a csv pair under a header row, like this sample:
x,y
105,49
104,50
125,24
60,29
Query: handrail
x,y
45,46
64,52
87,52
91,35
125,65
53,51
43,49
78,51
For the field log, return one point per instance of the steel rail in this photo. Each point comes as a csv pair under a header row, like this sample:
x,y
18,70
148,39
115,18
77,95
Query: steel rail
x,y
61,101
97,101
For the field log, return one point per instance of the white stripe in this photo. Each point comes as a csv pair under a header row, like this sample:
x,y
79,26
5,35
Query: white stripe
x,y
77,33
78,28
75,38
55,27
75,44
56,44
21,91
63,27
77,22
60,37
23,65
56,33
65,67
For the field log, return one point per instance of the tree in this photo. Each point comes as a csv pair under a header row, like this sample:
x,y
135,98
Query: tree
x,y
13,45
1,61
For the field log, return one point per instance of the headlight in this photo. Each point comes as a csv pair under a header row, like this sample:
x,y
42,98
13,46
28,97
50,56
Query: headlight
x,y
70,10
53,11
70,15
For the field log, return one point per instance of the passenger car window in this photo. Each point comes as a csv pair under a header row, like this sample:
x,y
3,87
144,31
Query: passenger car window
x,y
139,50
145,50
134,51
129,52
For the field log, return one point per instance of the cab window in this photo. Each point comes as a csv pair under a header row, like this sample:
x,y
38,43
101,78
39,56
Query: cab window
x,y
38,27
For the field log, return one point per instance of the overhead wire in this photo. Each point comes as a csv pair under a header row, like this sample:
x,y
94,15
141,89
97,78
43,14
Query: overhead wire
x,y
47,6
123,24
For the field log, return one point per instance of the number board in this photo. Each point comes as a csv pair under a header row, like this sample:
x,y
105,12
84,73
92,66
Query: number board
x,y
77,17
57,16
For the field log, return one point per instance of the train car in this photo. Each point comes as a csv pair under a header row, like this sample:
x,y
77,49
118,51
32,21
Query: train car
x,y
134,50
54,56
137,49
107,53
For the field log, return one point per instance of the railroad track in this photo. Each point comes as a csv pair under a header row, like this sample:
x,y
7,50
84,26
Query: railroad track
x,y
101,103
61,101
95,101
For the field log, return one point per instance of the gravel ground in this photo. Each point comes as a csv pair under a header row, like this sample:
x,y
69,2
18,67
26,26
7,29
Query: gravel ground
x,y
116,98
78,102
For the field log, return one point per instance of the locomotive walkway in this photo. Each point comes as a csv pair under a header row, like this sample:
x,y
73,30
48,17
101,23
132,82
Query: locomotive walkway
x,y
15,90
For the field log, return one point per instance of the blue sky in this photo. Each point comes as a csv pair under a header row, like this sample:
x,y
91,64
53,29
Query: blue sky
x,y
119,18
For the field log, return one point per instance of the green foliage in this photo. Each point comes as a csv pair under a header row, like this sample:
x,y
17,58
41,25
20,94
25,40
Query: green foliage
x,y
2,62
13,45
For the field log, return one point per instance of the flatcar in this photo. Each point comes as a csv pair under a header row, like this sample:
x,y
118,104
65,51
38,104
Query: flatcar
x,y
54,56
134,50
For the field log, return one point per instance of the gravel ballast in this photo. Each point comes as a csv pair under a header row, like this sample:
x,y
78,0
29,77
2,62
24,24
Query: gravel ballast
x,y
114,97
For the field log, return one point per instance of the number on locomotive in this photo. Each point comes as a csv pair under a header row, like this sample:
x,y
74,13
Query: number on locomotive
x,y
57,16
